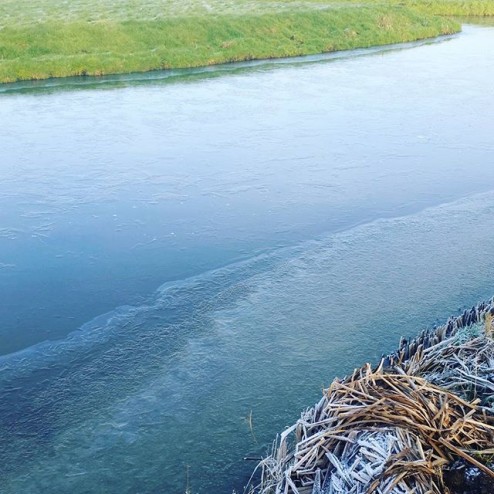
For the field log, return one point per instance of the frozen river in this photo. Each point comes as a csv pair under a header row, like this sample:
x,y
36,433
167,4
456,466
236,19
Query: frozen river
x,y
181,253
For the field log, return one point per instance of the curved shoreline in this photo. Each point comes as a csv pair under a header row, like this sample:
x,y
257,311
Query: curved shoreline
x,y
150,77
59,48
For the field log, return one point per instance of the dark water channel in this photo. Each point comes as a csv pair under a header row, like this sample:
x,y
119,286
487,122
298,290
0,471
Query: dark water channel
x,y
180,253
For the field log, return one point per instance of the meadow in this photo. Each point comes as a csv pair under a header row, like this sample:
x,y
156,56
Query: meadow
x,y
47,38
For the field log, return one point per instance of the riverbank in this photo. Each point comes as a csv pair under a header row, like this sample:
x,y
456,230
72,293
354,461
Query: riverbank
x,y
49,40
421,421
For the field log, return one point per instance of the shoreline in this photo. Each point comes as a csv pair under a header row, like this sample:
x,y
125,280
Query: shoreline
x,y
60,49
142,78
421,420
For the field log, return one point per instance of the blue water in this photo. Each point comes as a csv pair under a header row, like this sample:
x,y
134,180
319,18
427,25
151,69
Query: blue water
x,y
297,219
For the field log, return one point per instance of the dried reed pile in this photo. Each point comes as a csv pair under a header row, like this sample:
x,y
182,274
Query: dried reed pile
x,y
396,428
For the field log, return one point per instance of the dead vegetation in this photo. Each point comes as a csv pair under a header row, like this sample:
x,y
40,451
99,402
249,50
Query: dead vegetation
x,y
400,427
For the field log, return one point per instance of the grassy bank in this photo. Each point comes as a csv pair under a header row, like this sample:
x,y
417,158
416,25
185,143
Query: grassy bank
x,y
45,39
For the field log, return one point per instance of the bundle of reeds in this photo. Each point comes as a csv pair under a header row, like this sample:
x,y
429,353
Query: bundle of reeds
x,y
396,428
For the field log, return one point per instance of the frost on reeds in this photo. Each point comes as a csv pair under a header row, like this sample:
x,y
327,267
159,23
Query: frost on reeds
x,y
399,427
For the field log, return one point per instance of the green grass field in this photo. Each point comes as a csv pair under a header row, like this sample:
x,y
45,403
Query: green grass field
x,y
453,7
47,38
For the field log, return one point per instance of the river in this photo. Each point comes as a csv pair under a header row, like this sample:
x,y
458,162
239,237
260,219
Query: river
x,y
188,258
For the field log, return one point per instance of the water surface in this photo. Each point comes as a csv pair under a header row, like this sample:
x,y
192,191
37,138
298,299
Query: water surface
x,y
298,219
